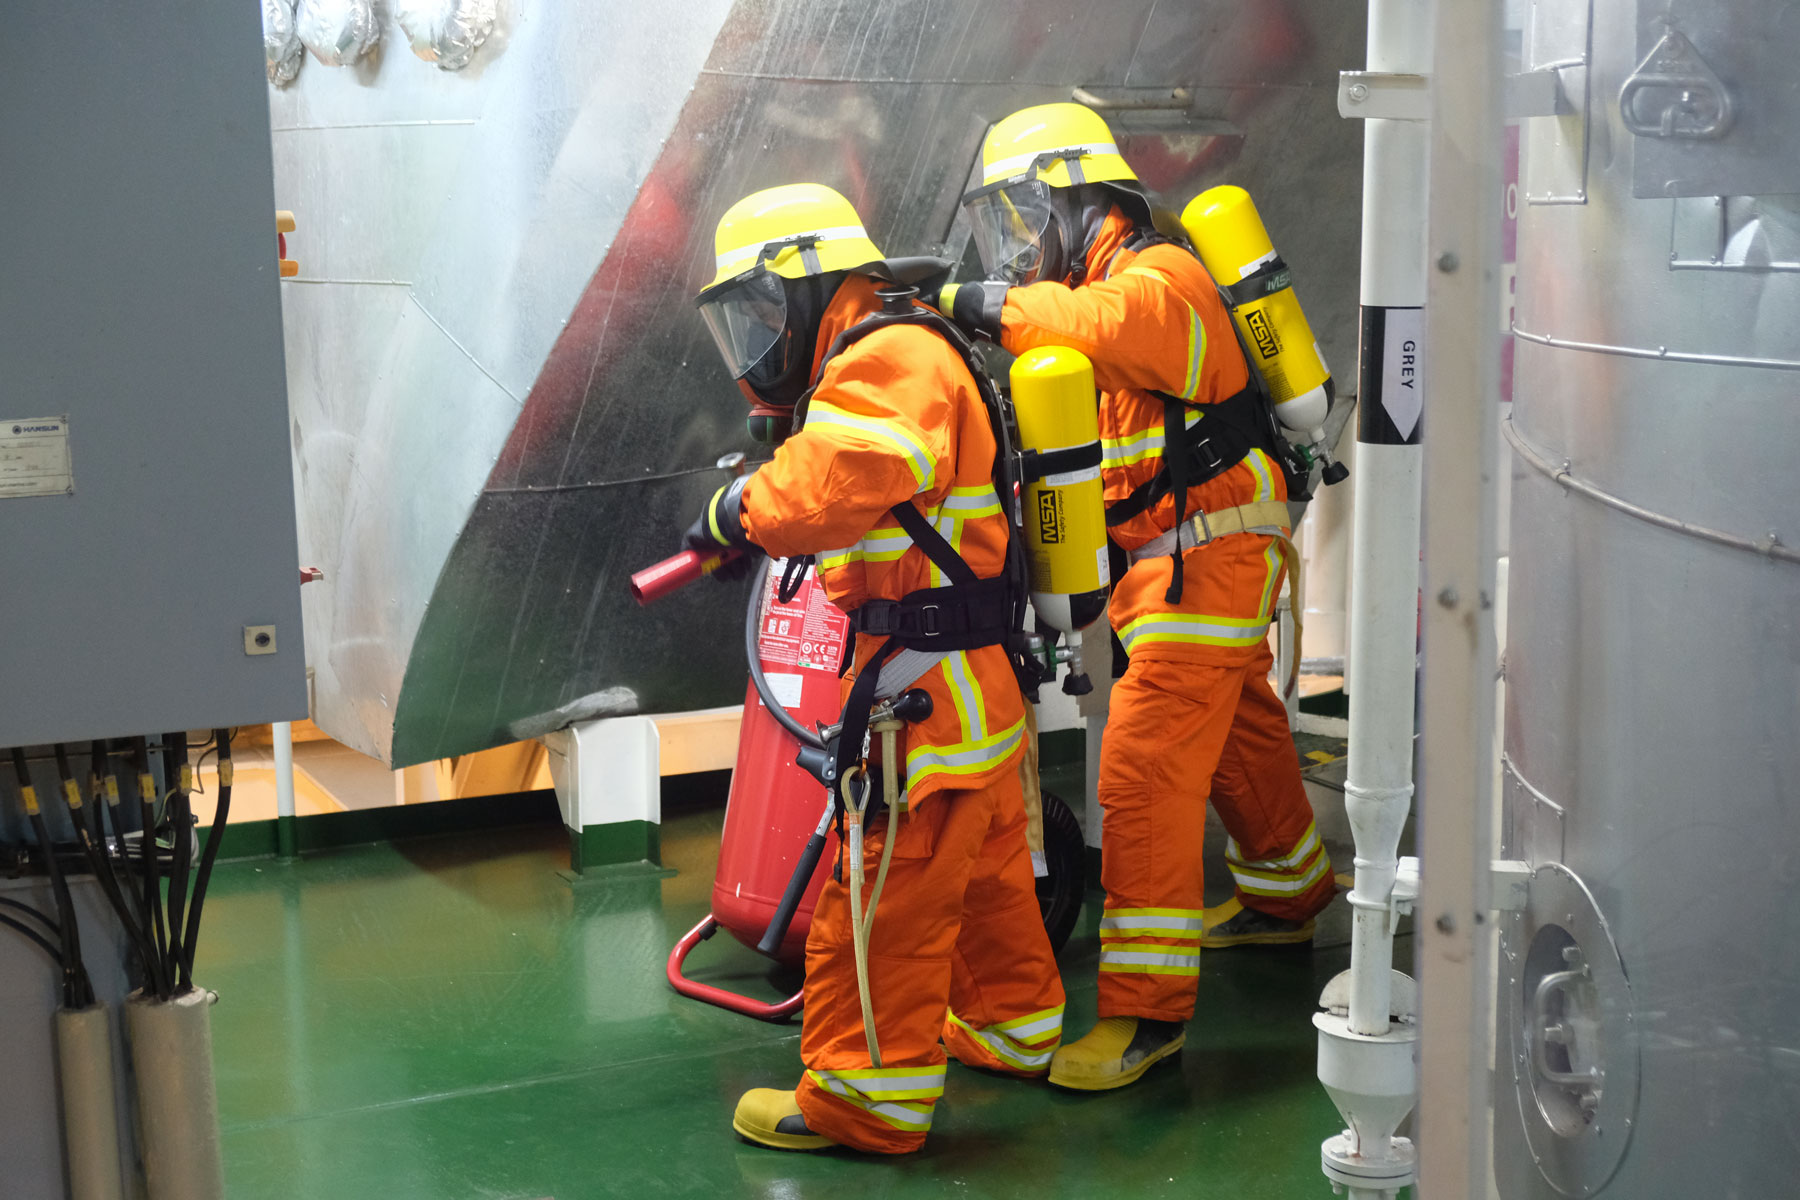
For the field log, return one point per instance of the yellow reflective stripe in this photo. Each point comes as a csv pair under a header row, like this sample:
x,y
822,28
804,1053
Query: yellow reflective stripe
x,y
1149,931
1194,628
1149,969
966,694
1265,479
967,502
1176,923
712,517
1255,885
964,758
948,528
1165,960
885,545
1122,452
911,1117
1196,355
1273,557
1303,850
840,558
1009,1049
1191,913
917,457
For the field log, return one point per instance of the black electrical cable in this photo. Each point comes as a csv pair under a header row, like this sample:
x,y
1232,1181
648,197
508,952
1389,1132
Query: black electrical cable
x,y
153,909
35,936
214,836
102,757
94,846
43,918
77,991
181,820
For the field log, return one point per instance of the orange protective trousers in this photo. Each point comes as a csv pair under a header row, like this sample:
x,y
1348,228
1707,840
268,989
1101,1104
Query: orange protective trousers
x,y
957,951
1179,734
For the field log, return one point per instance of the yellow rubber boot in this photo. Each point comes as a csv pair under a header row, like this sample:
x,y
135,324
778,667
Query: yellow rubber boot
x,y
770,1117
1231,924
1115,1052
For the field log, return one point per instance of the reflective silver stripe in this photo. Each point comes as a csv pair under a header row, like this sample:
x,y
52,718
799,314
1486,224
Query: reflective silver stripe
x,y
966,501
1153,922
1262,885
1196,354
1194,532
1174,627
1034,1030
879,1086
835,233
928,758
1122,452
897,1115
1003,1047
906,668
917,457
1308,844
1144,958
968,703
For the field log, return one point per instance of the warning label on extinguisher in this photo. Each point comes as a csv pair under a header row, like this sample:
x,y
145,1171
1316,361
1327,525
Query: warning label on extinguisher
x,y
808,632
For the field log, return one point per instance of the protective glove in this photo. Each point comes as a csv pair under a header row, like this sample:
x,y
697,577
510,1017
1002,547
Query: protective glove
x,y
974,307
720,526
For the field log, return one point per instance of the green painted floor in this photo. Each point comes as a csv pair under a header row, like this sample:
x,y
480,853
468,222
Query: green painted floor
x,y
448,1019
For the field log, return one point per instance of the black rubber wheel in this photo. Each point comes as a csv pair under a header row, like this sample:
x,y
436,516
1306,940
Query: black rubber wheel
x,y
1065,853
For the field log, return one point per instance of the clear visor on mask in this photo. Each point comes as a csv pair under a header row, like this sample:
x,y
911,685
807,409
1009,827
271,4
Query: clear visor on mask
x,y
745,316
1008,220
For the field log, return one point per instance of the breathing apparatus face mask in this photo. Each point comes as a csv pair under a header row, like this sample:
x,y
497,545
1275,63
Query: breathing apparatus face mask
x,y
1026,230
765,327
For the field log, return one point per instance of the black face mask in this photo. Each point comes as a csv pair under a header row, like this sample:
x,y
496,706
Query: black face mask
x,y
785,371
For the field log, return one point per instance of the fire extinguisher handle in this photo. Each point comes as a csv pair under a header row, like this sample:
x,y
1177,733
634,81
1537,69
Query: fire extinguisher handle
x,y
790,899
796,886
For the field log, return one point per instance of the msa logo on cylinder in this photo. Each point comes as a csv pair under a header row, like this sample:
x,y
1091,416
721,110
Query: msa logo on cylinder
x,y
1050,516
1268,343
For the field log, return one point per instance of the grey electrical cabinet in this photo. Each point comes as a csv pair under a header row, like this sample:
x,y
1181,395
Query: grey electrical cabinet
x,y
148,563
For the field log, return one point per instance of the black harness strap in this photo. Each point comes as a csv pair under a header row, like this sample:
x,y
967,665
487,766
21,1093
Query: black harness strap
x,y
926,537
1040,463
970,612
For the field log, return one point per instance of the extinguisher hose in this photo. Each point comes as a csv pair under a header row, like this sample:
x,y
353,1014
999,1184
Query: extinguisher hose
x,y
753,652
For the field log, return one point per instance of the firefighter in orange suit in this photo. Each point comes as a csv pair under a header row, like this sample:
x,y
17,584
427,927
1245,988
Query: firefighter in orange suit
x,y
1068,237
888,480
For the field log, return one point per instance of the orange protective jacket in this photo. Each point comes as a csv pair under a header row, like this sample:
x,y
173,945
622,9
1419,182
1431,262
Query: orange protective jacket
x,y
896,418
1152,319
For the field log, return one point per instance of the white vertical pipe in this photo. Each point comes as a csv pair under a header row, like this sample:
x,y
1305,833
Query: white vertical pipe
x,y
284,769
1385,568
1461,470
286,839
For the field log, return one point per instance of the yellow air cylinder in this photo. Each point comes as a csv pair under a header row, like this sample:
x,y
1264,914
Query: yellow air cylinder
x,y
1065,510
1224,226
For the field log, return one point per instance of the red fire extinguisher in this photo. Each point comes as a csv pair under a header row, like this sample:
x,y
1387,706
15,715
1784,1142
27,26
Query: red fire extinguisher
x,y
776,812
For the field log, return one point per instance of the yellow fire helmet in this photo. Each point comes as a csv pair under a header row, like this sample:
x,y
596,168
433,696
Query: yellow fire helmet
x,y
789,232
1026,158
1061,144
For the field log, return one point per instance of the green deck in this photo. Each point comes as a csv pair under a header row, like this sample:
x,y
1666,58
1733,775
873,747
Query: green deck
x,y
449,1018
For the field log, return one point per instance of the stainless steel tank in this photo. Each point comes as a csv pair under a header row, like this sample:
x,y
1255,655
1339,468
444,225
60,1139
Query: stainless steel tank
x,y
503,400
1649,1016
